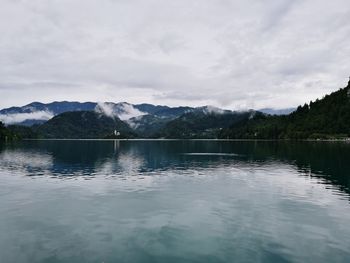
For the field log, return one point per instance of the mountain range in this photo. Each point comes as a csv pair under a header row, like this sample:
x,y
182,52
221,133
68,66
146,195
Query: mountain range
x,y
109,120
325,118
38,113
105,120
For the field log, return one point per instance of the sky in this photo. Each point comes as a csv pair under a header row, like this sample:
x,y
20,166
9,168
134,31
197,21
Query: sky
x,y
246,54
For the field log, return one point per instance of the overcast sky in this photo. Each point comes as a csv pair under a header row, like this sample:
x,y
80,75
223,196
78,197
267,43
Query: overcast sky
x,y
235,54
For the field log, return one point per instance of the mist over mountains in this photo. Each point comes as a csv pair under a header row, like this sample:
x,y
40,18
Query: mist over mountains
x,y
123,120
326,118
38,113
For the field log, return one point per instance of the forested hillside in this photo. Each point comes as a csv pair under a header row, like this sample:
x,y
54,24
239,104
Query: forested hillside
x,y
5,134
83,125
201,124
321,119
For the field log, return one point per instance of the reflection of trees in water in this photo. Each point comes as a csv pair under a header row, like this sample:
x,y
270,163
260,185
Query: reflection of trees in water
x,y
325,160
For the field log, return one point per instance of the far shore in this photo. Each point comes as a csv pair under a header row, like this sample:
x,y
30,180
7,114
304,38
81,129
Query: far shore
x,y
164,139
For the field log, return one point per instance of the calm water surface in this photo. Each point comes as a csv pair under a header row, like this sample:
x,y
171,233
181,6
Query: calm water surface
x,y
174,201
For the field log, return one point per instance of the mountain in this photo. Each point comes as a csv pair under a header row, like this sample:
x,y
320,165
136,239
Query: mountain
x,y
145,119
38,113
203,122
83,125
102,122
327,118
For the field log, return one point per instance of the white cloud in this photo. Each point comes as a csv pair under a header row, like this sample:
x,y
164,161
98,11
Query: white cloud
x,y
227,53
105,108
128,112
212,110
19,117
123,111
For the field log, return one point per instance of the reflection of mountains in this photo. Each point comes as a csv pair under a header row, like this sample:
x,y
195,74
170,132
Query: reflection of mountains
x,y
328,161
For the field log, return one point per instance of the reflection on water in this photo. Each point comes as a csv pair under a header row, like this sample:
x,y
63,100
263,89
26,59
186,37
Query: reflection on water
x,y
326,161
174,201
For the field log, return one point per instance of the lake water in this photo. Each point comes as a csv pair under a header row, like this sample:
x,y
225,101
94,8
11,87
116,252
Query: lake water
x,y
174,201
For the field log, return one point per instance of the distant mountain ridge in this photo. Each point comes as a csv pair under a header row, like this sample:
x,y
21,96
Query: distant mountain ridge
x,y
38,113
123,120
118,120
326,118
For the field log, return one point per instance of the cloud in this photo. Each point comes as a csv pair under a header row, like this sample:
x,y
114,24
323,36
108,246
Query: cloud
x,y
20,117
105,108
128,112
123,111
224,53
212,110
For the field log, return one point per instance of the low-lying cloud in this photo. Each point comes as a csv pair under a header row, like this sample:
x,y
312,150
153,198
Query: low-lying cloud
x,y
213,110
123,111
128,112
14,118
106,109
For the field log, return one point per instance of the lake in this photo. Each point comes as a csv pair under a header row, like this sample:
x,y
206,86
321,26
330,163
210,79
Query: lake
x,y
174,201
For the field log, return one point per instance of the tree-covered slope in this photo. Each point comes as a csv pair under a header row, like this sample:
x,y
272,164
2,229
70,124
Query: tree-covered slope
x,y
201,124
325,118
147,125
6,134
24,132
83,125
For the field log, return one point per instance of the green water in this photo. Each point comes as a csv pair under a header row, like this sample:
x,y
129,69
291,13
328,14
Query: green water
x,y
174,201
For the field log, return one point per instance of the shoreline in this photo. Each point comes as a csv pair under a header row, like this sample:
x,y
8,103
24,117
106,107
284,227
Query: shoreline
x,y
164,139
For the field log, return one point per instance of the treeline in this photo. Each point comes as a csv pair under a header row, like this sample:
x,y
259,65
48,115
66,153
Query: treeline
x,y
328,118
6,134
